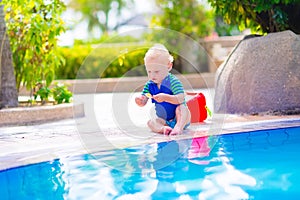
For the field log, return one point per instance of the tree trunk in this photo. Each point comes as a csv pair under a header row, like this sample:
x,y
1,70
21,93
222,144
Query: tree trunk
x,y
8,90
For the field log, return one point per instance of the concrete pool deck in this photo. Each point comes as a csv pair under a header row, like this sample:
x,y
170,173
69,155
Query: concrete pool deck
x,y
112,120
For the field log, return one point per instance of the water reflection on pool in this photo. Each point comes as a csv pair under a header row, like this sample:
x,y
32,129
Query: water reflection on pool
x,y
252,165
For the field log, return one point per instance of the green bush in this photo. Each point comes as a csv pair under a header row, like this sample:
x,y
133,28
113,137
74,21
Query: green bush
x,y
105,60
260,15
33,27
59,93
74,56
107,38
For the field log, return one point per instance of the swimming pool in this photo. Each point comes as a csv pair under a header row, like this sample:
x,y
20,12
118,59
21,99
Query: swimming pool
x,y
248,165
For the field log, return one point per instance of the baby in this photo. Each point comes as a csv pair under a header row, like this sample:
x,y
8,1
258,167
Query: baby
x,y
166,92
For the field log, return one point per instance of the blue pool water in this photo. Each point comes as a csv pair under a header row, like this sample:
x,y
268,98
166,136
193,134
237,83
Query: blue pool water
x,y
250,165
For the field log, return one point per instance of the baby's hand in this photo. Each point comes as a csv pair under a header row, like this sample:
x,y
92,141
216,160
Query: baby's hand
x,y
141,100
160,97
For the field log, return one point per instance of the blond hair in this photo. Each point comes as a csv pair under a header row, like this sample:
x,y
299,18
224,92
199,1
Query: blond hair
x,y
159,51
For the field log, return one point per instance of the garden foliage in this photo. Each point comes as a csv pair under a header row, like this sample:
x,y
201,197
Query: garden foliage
x,y
260,15
188,17
104,60
59,93
179,20
99,13
33,27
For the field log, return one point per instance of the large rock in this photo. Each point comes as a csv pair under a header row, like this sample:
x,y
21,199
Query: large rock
x,y
262,74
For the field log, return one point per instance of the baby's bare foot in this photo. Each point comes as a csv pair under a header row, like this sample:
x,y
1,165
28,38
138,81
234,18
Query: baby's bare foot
x,y
176,131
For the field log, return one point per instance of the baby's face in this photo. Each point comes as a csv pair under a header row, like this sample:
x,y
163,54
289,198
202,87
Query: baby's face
x,y
157,69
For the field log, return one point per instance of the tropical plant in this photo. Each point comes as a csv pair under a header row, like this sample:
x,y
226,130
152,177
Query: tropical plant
x,y
224,29
8,91
182,20
33,27
188,17
260,15
61,94
43,92
97,12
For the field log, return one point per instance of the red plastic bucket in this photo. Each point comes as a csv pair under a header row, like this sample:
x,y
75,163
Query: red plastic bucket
x,y
197,108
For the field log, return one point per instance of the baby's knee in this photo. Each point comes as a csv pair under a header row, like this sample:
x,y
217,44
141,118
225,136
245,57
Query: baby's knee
x,y
181,109
150,123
